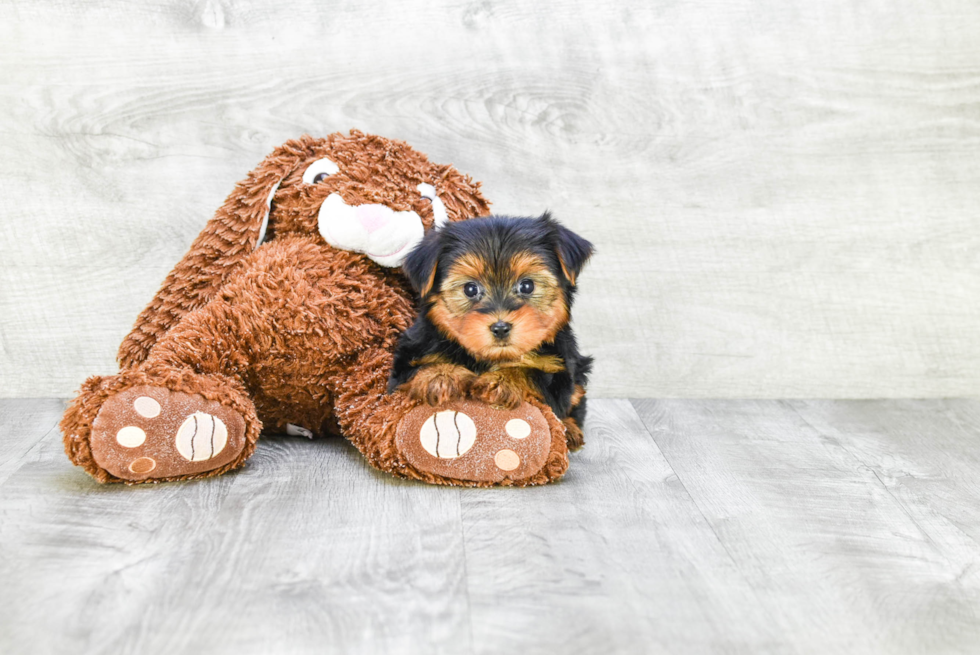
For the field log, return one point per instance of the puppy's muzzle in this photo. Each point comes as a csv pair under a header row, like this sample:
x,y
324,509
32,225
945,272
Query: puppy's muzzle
x,y
501,329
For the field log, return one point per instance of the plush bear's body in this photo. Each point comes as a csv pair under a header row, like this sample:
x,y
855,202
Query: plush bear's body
x,y
284,316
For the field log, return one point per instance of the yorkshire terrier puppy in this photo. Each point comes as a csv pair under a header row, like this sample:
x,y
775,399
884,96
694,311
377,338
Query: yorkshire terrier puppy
x,y
495,296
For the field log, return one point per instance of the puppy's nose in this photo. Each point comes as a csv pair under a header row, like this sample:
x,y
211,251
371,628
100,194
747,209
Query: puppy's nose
x,y
500,329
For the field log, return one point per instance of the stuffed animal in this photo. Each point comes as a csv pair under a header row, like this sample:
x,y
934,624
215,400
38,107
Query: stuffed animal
x,y
284,316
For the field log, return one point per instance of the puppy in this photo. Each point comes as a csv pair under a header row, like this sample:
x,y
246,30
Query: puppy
x,y
495,296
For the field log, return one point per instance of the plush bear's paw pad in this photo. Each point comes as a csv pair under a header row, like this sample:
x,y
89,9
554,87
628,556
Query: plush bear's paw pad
x,y
470,441
151,432
448,434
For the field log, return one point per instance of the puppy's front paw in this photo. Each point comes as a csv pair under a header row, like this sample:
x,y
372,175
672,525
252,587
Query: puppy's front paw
x,y
441,389
438,385
498,390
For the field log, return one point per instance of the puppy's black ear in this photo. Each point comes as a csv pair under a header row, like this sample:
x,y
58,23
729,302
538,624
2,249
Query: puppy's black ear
x,y
573,250
420,265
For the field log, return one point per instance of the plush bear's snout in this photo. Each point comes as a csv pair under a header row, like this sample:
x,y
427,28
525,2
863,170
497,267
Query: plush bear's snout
x,y
384,235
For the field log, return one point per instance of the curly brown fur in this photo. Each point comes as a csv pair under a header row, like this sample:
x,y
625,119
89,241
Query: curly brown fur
x,y
496,295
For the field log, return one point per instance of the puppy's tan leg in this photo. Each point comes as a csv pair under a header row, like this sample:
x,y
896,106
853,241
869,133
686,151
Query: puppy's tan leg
x,y
573,434
573,430
438,384
506,388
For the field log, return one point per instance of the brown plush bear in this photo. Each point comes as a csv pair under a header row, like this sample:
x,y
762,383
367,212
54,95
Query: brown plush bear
x,y
284,316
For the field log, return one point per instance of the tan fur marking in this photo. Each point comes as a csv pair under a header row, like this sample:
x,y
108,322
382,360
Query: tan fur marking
x,y
573,434
429,360
468,267
546,363
429,281
471,330
506,388
438,384
527,263
566,271
532,327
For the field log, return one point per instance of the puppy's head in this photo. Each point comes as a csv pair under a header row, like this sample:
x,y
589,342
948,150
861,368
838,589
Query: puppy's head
x,y
498,286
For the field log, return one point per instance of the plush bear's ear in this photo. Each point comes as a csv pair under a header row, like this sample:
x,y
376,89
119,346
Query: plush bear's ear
x,y
460,194
573,250
246,210
421,264
235,231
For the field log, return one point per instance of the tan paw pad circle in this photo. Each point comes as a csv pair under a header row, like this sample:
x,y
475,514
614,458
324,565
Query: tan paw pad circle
x,y
507,460
146,407
517,428
448,434
130,436
142,465
201,436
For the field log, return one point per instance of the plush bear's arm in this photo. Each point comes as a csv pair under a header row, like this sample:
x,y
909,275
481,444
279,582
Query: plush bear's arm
x,y
226,241
192,283
365,413
522,446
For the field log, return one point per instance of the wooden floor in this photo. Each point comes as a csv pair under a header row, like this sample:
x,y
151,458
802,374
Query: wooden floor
x,y
685,526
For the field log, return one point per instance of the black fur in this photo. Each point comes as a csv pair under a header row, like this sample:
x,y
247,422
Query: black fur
x,y
498,237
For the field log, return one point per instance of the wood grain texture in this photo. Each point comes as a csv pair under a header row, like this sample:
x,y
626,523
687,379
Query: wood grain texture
x,y
617,558
306,551
783,193
836,513
26,424
705,526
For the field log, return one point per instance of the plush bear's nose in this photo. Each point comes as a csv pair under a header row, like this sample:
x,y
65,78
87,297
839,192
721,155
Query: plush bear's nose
x,y
374,217
500,329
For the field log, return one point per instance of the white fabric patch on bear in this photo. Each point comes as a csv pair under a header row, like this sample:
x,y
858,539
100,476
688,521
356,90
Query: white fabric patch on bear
x,y
439,215
294,430
265,219
384,235
448,434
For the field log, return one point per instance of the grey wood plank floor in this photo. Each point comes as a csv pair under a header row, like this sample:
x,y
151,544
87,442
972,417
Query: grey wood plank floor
x,y
684,526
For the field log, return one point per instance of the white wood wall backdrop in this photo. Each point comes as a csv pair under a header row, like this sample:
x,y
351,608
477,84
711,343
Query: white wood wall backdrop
x,y
784,193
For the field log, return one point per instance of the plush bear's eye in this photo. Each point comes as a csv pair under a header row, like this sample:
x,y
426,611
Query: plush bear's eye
x,y
319,170
526,286
471,289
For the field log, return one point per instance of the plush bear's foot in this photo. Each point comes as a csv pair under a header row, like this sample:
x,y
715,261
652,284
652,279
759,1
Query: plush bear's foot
x,y
149,432
470,442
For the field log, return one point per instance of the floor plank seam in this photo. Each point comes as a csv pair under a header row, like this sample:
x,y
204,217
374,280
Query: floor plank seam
x,y
711,527
860,461
466,571
25,456
922,531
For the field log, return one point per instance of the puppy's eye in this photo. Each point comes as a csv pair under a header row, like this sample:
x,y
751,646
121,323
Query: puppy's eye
x,y
319,170
526,287
471,289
